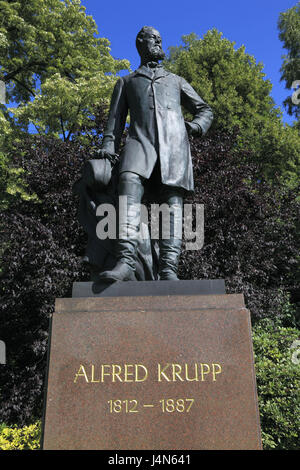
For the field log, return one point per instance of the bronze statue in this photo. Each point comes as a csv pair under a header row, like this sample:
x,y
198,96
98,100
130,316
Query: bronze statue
x,y
155,161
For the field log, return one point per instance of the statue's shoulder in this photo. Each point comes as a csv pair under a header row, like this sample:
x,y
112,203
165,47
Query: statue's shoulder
x,y
123,80
175,77
171,74
178,78
126,78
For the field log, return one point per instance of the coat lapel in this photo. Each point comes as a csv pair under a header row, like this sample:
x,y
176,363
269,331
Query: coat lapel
x,y
146,72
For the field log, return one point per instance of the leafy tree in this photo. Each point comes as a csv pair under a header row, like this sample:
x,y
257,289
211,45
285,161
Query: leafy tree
x,y
229,79
235,86
289,34
53,63
56,69
11,184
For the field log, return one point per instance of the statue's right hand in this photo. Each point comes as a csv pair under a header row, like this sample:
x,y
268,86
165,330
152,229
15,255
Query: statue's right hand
x,y
103,153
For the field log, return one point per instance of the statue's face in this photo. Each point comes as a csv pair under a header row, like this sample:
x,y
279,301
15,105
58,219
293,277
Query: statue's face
x,y
152,48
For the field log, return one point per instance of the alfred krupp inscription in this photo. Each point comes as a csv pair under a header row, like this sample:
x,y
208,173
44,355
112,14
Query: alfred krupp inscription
x,y
165,372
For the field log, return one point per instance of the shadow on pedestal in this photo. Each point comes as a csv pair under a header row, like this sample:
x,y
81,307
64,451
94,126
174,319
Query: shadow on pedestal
x,y
145,288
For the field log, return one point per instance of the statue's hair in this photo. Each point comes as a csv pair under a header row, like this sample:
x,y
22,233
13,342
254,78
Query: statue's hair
x,y
140,36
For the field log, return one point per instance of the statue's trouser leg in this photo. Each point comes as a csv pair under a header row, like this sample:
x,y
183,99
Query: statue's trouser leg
x,y
170,243
130,191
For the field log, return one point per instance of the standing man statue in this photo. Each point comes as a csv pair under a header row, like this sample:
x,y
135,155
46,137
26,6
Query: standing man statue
x,y
156,158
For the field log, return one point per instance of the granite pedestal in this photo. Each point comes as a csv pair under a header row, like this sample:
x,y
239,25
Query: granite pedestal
x,y
151,371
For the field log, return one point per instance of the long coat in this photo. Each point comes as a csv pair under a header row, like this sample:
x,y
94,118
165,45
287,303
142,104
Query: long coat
x,y
157,129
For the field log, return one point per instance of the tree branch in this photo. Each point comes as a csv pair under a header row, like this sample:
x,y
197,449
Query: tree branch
x,y
24,86
11,75
72,127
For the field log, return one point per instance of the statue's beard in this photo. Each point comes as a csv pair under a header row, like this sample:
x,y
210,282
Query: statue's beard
x,y
155,53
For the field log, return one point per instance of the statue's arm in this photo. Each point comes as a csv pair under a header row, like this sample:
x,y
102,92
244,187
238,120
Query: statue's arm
x,y
116,119
201,111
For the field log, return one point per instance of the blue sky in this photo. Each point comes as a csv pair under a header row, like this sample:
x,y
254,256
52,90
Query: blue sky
x,y
251,23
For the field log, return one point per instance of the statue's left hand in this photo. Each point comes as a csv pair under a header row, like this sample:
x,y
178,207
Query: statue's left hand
x,y
192,128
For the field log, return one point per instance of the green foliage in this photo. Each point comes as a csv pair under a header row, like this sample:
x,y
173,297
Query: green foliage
x,y
278,380
235,86
279,154
289,34
12,184
6,129
25,438
63,106
53,64
56,69
228,79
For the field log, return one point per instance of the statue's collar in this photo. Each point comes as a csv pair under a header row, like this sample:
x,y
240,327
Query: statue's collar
x,y
152,65
151,72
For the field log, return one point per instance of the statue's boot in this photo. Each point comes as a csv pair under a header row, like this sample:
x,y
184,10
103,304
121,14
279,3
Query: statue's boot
x,y
170,248
169,252
131,188
121,272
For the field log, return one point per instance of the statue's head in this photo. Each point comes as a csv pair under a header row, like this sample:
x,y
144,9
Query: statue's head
x,y
148,44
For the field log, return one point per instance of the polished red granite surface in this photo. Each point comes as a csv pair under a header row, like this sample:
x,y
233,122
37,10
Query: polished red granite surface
x,y
165,372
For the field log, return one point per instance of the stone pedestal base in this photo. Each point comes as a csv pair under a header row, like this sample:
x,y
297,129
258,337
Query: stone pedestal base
x,y
154,372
